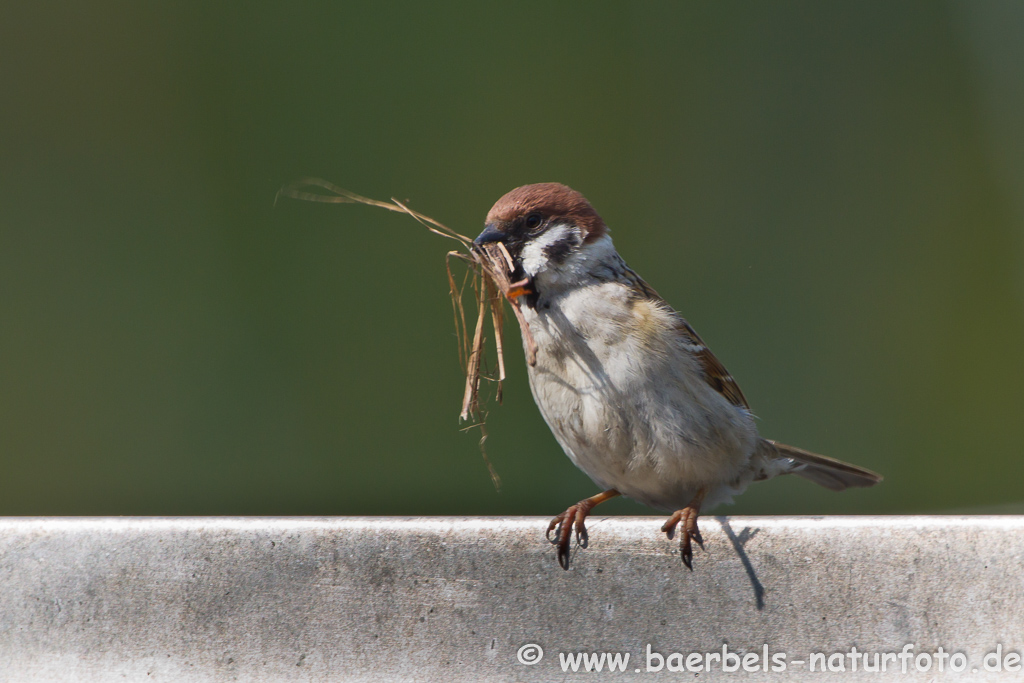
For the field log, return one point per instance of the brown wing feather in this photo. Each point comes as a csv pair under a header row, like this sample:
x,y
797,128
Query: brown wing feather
x,y
715,373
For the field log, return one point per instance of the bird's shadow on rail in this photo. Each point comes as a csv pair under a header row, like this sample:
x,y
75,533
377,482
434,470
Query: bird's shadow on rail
x,y
739,541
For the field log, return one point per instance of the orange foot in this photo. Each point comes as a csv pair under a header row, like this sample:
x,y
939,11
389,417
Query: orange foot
x,y
572,518
688,517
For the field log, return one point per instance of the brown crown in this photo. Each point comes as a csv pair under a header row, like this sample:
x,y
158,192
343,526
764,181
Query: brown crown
x,y
552,200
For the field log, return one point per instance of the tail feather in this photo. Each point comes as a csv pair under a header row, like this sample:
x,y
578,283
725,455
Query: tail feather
x,y
828,472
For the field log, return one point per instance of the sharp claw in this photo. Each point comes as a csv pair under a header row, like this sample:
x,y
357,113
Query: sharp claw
x,y
564,536
556,526
563,557
687,519
583,539
574,520
686,551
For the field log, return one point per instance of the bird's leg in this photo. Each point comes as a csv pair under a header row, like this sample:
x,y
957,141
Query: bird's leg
x,y
572,518
688,517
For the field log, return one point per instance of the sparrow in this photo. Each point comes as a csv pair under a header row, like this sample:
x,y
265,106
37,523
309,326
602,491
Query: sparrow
x,y
631,393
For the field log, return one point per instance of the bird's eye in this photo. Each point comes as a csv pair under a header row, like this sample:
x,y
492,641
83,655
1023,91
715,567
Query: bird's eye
x,y
534,221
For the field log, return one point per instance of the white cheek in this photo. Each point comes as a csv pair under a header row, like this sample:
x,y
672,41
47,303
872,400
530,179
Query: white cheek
x,y
534,258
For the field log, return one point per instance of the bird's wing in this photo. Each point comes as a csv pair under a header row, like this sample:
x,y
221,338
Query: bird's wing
x,y
714,372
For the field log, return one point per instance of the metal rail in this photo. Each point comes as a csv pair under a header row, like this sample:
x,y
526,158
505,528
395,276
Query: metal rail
x,y
461,599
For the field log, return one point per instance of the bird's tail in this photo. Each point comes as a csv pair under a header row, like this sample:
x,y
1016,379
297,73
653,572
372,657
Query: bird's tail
x,y
828,472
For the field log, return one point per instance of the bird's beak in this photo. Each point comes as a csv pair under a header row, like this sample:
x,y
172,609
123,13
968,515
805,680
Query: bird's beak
x,y
491,233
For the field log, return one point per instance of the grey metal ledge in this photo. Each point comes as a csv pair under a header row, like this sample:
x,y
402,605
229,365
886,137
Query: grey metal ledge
x,y
462,599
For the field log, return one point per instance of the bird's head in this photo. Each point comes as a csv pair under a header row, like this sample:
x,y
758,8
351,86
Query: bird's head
x,y
545,228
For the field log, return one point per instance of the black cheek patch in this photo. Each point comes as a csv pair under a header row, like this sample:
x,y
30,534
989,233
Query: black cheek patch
x,y
558,251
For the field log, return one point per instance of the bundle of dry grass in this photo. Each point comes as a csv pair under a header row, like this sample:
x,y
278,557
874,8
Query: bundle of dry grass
x,y
489,276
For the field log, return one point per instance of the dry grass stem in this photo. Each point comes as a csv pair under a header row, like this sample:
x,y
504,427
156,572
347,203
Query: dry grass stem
x,y
496,267
470,398
489,270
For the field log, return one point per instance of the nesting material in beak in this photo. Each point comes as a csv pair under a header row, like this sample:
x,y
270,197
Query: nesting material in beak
x,y
490,269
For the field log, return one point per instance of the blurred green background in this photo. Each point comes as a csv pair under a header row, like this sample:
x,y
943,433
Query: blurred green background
x,y
832,193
